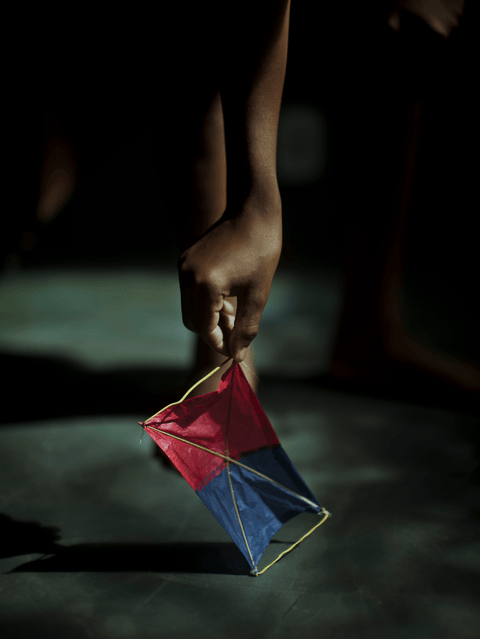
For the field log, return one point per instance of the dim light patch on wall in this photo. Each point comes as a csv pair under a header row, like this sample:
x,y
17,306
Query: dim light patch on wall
x,y
301,148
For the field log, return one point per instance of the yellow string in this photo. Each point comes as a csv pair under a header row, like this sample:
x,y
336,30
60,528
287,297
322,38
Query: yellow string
x,y
227,454
249,369
234,461
326,516
189,391
225,457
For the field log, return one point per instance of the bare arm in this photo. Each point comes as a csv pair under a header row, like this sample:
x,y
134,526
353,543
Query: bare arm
x,y
251,85
237,257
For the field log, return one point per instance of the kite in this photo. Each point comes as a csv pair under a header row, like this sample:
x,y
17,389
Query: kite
x,y
226,449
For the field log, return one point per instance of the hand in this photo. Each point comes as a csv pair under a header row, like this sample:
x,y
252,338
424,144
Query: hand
x,y
235,258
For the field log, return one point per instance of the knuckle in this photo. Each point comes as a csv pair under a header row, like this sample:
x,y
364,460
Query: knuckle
x,y
196,279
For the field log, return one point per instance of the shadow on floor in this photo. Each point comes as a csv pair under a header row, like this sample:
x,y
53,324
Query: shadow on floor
x,y
206,558
408,387
22,538
38,388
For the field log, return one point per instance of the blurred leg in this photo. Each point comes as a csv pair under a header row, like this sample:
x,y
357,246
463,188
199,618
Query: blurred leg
x,y
41,175
58,177
372,311
208,201
373,343
207,184
22,153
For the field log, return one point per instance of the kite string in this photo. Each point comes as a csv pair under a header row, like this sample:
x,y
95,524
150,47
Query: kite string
x,y
228,460
195,386
326,516
248,368
227,454
189,391
234,461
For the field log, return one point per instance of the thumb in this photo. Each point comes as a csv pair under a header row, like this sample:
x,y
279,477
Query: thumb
x,y
247,325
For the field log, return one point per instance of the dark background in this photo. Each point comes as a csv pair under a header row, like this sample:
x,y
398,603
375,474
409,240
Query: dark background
x,y
107,79
402,484
111,99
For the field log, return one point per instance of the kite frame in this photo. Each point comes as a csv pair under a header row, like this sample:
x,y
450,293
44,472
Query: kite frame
x,y
229,460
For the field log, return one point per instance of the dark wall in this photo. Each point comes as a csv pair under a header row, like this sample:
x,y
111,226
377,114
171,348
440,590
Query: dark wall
x,y
116,109
353,68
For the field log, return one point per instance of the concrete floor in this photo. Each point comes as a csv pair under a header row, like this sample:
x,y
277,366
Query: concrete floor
x,y
101,541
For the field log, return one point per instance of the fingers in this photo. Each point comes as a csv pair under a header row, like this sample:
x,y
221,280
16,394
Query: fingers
x,y
247,324
207,313
219,338
225,317
225,326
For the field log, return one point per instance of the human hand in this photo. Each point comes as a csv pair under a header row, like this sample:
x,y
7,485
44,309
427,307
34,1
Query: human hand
x,y
225,278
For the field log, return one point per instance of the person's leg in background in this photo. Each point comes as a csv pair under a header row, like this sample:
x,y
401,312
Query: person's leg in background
x,y
373,344
208,200
56,178
53,180
206,187
44,175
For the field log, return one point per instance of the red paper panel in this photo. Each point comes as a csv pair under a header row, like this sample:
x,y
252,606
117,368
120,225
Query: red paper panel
x,y
203,420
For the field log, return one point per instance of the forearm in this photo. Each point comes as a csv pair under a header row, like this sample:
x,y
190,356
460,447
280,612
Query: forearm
x,y
251,86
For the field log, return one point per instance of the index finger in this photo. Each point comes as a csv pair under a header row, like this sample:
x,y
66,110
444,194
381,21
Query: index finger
x,y
206,307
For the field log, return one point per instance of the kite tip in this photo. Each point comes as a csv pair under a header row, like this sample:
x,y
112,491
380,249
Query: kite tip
x,y
141,423
254,572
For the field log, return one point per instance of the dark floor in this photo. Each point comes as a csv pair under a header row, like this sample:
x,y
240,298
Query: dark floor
x,y
101,541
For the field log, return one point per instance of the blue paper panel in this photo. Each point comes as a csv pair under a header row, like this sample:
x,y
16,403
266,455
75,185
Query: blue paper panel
x,y
264,507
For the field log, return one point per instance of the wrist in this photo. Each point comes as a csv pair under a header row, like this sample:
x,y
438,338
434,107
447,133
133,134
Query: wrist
x,y
262,198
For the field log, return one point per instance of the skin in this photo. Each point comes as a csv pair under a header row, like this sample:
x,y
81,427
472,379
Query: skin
x,y
228,254
373,344
211,283
226,274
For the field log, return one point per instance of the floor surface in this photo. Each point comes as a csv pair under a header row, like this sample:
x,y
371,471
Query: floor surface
x,y
100,541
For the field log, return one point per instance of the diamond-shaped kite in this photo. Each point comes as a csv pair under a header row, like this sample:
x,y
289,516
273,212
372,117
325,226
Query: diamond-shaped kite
x,y
225,447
